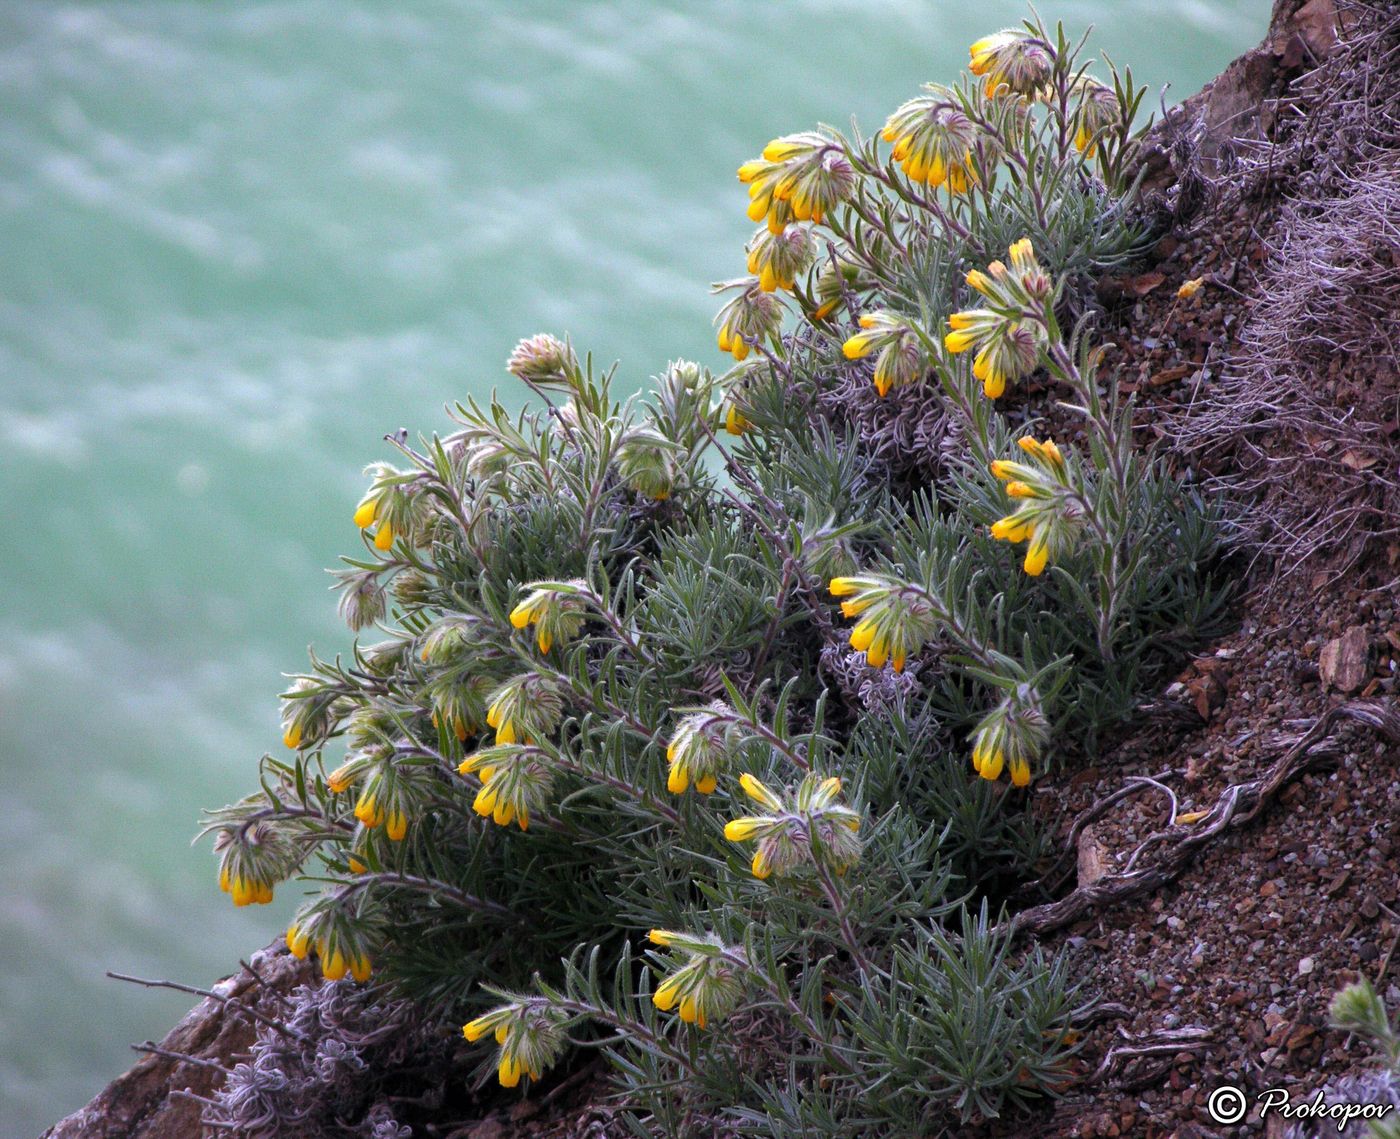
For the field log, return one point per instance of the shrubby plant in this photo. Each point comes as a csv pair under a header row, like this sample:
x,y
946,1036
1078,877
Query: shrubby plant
x,y
1359,1009
685,734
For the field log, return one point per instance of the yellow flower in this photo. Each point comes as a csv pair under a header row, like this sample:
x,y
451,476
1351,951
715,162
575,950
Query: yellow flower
x,y
734,421
554,608
1051,511
1012,59
759,793
1190,288
934,142
901,359
298,941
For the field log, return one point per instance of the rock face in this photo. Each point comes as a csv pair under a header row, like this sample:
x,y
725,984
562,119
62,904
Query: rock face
x,y
146,1103
1240,103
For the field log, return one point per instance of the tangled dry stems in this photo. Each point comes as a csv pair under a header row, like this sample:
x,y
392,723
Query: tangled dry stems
x,y
1302,422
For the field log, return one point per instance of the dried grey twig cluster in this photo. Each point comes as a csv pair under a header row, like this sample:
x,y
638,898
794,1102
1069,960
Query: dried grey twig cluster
x,y
1305,408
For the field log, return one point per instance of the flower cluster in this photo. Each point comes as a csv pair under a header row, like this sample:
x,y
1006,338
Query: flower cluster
x,y
530,1032
308,712
707,986
809,827
901,359
934,141
895,618
1012,61
750,317
554,608
777,258
385,799
1051,513
701,748
1007,332
1013,734
252,859
525,708
515,779
800,176
542,359
1096,110
649,463
390,506
340,943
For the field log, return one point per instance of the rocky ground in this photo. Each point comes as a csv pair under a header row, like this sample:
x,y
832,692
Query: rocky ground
x,y
1217,944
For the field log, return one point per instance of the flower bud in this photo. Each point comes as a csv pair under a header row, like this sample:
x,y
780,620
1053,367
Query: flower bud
x,y
542,358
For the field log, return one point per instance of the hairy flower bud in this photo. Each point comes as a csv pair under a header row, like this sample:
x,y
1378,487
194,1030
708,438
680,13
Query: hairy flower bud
x,y
1012,61
750,316
542,358
808,827
1013,734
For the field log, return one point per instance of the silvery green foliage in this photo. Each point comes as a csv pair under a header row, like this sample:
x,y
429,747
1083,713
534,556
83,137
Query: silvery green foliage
x,y
701,571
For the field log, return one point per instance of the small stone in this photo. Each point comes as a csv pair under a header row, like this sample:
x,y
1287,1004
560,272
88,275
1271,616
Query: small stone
x,y
1306,966
1345,662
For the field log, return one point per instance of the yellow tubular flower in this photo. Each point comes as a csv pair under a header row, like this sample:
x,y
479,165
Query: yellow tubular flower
x,y
762,865
334,966
988,760
741,830
396,826
341,778
298,941
368,810
1012,59
759,793
667,993
933,141
292,736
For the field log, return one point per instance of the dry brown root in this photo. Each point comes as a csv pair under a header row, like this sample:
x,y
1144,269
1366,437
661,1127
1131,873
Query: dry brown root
x,y
1236,806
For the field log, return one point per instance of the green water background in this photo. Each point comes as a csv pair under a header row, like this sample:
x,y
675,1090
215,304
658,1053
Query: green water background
x,y
238,243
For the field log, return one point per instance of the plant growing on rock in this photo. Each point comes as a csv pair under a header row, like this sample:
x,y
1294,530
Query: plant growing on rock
x,y
621,776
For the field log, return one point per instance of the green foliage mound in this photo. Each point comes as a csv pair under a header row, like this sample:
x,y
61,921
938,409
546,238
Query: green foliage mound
x,y
661,742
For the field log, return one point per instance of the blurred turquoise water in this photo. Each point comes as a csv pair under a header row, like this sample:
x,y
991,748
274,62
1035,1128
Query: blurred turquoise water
x,y
240,242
